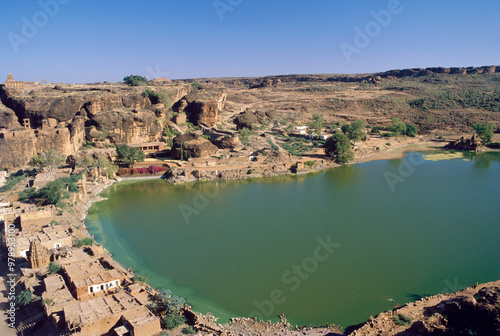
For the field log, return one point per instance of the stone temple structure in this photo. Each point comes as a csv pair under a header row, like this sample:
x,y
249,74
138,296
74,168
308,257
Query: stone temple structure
x,y
39,255
11,83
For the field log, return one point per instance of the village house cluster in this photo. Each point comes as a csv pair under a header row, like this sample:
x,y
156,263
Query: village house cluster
x,y
88,293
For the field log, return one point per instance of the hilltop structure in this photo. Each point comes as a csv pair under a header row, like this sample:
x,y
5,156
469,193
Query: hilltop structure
x,y
11,83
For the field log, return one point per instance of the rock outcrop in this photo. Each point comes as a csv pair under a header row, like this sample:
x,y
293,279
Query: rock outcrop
x,y
471,144
203,106
8,118
473,311
64,117
124,126
191,145
18,147
247,119
227,142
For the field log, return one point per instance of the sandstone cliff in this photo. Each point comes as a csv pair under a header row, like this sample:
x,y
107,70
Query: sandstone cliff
x,y
203,105
65,117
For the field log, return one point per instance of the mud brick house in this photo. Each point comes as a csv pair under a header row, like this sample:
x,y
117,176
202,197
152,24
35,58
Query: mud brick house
x,y
56,297
116,314
35,220
87,279
51,237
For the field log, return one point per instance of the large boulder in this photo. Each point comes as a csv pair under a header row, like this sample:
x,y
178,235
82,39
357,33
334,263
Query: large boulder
x,y
204,106
191,145
247,119
227,142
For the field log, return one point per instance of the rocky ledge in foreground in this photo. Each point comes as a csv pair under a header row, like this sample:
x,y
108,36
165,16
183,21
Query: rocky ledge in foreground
x,y
473,311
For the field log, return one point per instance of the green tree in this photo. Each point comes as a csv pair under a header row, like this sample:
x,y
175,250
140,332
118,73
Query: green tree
x,y
135,80
354,131
484,131
317,125
244,134
54,267
189,330
28,194
24,298
169,301
339,147
104,165
48,161
173,319
398,127
53,192
129,155
14,179
158,97
411,130
84,242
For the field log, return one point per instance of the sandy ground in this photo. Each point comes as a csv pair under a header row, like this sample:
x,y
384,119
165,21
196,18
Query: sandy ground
x,y
398,151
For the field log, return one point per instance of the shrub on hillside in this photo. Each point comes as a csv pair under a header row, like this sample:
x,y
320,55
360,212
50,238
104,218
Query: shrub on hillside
x,y
54,267
135,80
84,242
173,320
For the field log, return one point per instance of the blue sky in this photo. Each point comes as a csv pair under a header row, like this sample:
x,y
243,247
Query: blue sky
x,y
79,41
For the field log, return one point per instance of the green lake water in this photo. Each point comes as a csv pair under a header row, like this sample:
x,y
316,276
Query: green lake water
x,y
331,247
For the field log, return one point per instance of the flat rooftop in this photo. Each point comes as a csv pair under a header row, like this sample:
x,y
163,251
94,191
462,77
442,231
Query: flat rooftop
x,y
86,273
119,304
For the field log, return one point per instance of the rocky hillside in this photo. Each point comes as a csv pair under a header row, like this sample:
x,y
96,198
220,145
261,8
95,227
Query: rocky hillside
x,y
38,117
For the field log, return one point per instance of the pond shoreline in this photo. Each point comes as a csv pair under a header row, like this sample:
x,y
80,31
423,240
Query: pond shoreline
x,y
393,153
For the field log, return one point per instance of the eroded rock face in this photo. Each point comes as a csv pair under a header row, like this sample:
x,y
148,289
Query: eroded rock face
x,y
191,145
119,113
18,147
204,106
124,126
490,296
8,118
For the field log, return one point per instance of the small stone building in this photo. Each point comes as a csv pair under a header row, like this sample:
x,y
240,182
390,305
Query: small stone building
x,y
150,146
